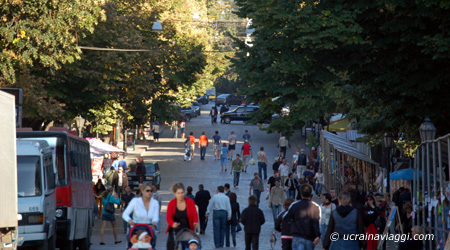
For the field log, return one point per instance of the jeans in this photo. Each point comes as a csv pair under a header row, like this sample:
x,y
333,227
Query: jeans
x,y
219,226
262,167
257,193
290,193
230,229
276,210
319,188
323,231
251,241
299,243
236,178
224,160
202,152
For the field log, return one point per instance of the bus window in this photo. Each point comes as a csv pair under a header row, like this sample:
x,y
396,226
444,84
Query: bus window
x,y
60,165
49,174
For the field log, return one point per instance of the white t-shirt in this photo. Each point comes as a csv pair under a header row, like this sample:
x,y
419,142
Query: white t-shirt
x,y
155,128
326,213
120,179
283,142
319,178
284,170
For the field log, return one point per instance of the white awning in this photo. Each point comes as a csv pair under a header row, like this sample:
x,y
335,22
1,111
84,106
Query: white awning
x,y
344,146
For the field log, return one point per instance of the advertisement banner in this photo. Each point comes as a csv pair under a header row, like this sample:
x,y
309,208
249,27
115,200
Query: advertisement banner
x,y
96,167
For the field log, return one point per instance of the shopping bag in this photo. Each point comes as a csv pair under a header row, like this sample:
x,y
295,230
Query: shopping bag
x,y
252,161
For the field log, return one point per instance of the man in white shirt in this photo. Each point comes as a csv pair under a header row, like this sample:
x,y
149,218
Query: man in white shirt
x,y
220,206
284,171
283,143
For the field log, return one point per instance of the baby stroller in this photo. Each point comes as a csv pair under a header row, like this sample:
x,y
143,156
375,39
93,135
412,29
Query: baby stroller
x,y
183,237
133,237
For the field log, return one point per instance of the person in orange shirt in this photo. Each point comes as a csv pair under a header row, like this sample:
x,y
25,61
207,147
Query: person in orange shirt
x,y
203,144
192,139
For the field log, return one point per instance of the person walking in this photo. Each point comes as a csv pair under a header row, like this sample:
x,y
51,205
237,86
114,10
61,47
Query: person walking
x,y
276,165
272,180
143,210
216,141
227,189
220,207
231,145
126,199
122,182
202,198
192,140
252,218
320,180
189,194
345,220
109,196
182,128
187,150
202,145
246,152
211,114
224,157
277,197
235,218
247,136
155,130
262,163
216,113
291,185
236,166
285,169
283,143
370,215
181,213
306,217
257,185
334,198
140,169
302,162
284,226
223,109
326,208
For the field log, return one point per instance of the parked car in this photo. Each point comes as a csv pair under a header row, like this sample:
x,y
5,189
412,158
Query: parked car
x,y
188,112
204,99
152,175
228,99
197,107
241,113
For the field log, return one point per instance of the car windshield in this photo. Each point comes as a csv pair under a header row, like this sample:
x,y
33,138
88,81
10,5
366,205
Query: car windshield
x,y
222,96
150,169
29,176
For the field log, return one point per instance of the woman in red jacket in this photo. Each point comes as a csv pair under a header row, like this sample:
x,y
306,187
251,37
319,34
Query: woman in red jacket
x,y
181,213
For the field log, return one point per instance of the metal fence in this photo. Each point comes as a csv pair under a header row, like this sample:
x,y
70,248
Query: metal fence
x,y
431,189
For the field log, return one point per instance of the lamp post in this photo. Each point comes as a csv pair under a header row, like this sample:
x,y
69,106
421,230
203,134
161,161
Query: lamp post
x,y
427,130
80,124
388,141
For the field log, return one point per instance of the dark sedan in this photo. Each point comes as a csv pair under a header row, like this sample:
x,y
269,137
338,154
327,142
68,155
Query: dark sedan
x,y
152,175
228,99
241,113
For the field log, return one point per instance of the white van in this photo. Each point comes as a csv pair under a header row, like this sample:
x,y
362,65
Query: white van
x,y
36,184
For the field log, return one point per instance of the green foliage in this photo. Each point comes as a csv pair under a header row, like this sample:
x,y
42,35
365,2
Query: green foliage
x,y
105,117
383,63
43,33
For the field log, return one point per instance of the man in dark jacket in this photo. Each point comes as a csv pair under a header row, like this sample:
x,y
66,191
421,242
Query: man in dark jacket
x,y
252,218
360,195
305,215
284,226
140,169
202,198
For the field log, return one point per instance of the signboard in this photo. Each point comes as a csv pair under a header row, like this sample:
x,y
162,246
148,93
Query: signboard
x,y
96,168
394,213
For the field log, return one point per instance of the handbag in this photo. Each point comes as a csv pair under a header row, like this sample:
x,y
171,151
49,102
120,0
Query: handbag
x,y
109,207
238,227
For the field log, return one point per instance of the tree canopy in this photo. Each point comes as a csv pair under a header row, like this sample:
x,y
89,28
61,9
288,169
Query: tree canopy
x,y
383,63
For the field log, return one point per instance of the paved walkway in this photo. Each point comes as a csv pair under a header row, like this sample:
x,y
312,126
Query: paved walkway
x,y
169,153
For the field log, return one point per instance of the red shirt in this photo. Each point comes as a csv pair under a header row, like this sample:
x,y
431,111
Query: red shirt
x,y
246,148
203,140
192,139
191,212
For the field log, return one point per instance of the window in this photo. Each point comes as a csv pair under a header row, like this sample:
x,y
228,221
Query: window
x,y
49,172
29,176
239,110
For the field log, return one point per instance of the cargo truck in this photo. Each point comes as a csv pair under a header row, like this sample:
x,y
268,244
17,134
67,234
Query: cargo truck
x,y
8,173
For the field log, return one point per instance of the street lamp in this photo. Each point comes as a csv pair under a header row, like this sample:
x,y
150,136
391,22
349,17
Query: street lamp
x,y
427,130
388,141
80,124
157,26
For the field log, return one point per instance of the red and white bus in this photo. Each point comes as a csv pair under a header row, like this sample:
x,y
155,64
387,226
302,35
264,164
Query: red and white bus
x,y
74,191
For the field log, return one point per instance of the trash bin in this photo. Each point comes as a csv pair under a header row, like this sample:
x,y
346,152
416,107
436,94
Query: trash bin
x,y
131,137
